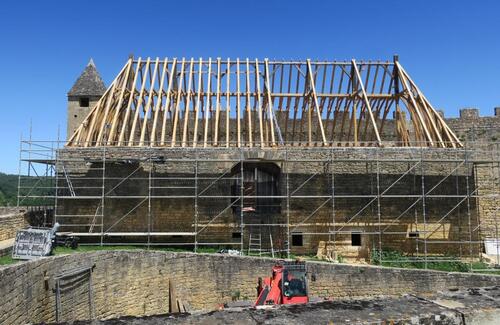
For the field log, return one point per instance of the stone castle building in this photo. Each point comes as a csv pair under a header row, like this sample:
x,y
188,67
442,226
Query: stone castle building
x,y
210,153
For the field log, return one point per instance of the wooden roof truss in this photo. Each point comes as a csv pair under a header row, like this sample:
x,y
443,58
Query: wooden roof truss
x,y
255,103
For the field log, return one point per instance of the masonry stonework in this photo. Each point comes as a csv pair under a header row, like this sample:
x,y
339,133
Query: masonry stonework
x,y
11,220
137,282
352,175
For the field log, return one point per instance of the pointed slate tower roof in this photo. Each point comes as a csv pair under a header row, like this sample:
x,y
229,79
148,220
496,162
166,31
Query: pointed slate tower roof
x,y
89,83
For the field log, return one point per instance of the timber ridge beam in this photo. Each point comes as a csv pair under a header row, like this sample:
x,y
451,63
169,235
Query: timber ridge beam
x,y
262,103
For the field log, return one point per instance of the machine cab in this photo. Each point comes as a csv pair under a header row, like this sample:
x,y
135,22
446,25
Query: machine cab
x,y
294,283
287,285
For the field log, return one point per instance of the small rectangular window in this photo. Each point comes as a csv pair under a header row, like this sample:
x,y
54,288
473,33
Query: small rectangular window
x,y
297,240
84,102
355,239
236,235
413,234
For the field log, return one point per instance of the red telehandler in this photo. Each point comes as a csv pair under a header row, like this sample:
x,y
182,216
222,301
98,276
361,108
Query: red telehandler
x,y
287,285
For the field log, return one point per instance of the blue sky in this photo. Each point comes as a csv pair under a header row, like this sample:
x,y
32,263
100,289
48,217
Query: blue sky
x,y
450,48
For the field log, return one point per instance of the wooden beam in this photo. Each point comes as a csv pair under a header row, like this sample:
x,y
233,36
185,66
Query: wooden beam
x,y
130,102
217,103
197,106
259,103
159,100
228,102
238,109
119,105
139,100
367,102
315,98
207,108
173,71
419,115
188,104
93,115
249,110
148,105
452,137
177,103
270,111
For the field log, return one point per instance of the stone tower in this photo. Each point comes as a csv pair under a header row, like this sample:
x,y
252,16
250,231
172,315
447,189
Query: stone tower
x,y
84,94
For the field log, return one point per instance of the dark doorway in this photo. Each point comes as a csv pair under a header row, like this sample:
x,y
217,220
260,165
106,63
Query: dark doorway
x,y
355,239
260,188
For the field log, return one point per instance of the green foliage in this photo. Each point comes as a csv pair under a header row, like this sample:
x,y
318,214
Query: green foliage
x,y
7,259
235,295
8,189
393,258
35,186
340,259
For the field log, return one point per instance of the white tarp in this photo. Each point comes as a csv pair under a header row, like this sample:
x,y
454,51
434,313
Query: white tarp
x,y
492,246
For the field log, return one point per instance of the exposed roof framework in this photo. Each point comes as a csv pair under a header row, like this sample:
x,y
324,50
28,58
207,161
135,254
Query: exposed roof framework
x,y
255,103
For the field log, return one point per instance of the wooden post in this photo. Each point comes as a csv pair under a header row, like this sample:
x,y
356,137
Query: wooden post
x,y
177,103
228,104
259,103
129,105
188,104
197,107
207,105
148,105
138,105
270,112
238,109
173,71
159,100
367,102
315,99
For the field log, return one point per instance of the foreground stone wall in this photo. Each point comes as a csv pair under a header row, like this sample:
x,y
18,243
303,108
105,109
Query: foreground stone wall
x,y
11,220
137,282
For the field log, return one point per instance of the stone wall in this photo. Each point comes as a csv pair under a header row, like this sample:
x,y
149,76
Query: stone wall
x,y
354,171
310,171
488,190
472,127
76,114
137,282
11,220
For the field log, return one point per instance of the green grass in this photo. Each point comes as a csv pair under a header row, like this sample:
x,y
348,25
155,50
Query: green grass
x,y
61,250
82,249
390,258
91,248
6,260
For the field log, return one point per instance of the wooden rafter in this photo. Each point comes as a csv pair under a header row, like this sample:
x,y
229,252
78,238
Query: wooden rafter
x,y
243,103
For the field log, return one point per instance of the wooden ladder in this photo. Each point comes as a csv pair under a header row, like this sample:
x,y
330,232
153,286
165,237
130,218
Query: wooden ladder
x,y
255,243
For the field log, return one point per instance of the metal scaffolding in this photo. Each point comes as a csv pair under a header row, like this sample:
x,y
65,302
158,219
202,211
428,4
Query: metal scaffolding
x,y
453,192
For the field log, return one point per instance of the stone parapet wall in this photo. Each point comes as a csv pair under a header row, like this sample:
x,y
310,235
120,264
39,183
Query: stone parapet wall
x,y
296,159
470,126
137,282
11,220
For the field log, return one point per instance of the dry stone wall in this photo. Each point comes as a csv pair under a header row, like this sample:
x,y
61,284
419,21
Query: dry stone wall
x,y
11,220
137,282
